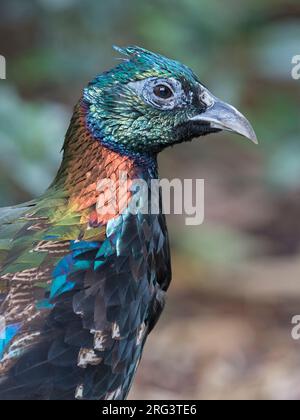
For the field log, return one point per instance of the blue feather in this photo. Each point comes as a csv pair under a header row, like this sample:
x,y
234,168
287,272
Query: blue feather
x,y
7,335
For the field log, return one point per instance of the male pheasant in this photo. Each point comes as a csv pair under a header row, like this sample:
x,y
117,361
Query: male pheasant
x,y
81,288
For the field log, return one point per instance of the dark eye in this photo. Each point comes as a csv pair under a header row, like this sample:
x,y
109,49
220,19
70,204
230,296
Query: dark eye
x,y
163,91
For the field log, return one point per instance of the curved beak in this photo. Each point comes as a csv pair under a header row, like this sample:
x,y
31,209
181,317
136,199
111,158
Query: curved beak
x,y
223,116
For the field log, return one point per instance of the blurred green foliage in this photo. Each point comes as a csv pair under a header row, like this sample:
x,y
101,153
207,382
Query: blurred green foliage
x,y
30,146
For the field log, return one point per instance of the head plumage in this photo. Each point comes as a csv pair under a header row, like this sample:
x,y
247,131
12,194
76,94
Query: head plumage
x,y
143,60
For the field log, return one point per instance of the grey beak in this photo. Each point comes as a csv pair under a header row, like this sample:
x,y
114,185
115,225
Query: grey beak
x,y
223,116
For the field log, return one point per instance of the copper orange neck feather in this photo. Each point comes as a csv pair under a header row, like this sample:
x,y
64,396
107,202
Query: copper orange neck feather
x,y
87,162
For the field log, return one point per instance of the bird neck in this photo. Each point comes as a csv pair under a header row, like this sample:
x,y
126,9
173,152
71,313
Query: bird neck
x,y
87,162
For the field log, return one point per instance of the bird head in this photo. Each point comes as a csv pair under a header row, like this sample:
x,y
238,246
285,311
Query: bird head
x,y
149,102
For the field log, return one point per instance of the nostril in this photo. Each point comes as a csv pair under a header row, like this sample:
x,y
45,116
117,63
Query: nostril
x,y
207,99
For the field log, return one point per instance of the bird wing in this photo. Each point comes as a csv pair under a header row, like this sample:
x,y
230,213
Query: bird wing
x,y
73,299
35,240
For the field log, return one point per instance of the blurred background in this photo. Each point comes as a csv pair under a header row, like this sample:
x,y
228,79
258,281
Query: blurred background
x,y
226,330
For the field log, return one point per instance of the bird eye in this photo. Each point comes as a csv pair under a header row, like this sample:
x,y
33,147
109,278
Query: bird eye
x,y
162,91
